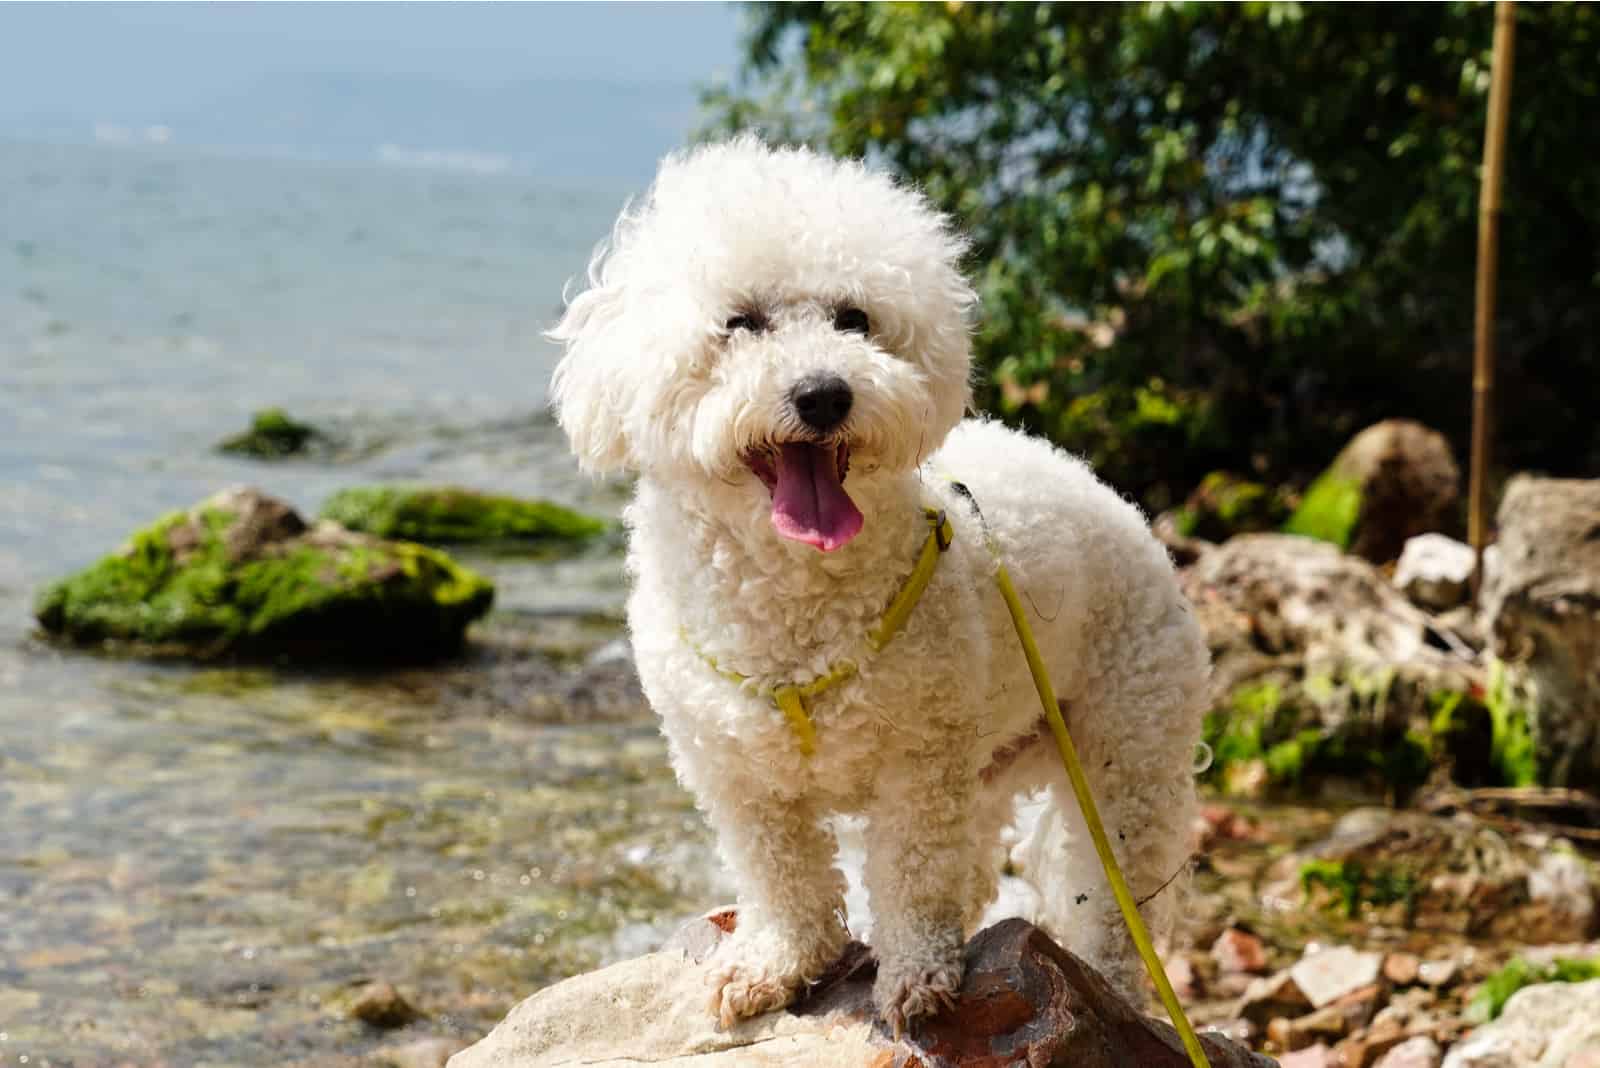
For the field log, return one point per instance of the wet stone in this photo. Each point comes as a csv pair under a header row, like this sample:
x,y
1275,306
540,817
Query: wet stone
x,y
381,1005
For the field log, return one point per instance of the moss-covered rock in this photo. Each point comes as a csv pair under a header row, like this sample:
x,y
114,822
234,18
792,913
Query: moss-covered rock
x,y
1422,872
1224,505
272,436
447,514
241,573
1395,480
1322,669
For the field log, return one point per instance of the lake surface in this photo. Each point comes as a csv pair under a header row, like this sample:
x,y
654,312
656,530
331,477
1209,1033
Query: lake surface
x,y
198,865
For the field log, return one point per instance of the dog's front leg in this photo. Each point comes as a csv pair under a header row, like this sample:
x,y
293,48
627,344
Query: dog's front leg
x,y
791,900
919,873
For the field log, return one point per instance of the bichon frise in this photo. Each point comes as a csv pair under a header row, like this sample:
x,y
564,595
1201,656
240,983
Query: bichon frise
x,y
776,343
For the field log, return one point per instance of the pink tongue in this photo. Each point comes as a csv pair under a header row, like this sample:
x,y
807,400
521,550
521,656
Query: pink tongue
x,y
808,503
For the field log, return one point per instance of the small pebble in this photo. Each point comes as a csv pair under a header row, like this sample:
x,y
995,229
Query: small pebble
x,y
1438,972
1238,951
1401,968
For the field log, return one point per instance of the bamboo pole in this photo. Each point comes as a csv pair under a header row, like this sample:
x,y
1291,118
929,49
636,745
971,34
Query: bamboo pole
x,y
1494,147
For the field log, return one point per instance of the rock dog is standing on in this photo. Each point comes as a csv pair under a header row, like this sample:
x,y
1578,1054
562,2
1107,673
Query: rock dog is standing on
x,y
776,343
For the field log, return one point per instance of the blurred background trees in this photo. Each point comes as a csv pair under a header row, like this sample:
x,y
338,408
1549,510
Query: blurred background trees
x,y
1227,236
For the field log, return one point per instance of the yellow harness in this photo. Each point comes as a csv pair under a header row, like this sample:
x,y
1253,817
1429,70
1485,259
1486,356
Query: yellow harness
x,y
795,704
795,701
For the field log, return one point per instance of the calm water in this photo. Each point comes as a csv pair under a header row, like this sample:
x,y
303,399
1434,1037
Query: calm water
x,y
197,864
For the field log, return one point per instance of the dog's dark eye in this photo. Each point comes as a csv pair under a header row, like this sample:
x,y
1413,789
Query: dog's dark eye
x,y
751,321
852,321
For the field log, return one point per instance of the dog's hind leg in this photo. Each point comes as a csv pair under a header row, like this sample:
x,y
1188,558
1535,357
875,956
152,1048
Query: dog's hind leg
x,y
791,899
1135,735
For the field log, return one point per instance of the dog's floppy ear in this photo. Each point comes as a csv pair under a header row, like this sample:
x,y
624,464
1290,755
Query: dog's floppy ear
x,y
589,390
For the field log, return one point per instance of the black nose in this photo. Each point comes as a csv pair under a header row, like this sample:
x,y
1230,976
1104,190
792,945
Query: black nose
x,y
821,401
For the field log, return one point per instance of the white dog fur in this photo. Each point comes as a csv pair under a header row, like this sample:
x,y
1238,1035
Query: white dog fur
x,y
937,735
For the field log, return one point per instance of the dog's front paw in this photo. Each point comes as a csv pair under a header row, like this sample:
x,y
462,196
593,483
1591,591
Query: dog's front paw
x,y
762,970
741,988
908,990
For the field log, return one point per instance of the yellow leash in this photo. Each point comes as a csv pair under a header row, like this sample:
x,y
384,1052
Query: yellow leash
x,y
1091,818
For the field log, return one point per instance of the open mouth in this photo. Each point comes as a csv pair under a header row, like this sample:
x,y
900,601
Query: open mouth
x,y
806,481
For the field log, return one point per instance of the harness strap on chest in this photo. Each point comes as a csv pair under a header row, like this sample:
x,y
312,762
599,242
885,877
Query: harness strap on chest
x,y
793,701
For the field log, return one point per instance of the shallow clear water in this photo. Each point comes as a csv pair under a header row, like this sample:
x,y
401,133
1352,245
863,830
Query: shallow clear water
x,y
196,864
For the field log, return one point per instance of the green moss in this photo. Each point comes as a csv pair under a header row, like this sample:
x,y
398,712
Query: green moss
x,y
1224,505
1352,885
272,435
1235,735
457,515
178,587
1328,511
1491,998
1277,726
1512,750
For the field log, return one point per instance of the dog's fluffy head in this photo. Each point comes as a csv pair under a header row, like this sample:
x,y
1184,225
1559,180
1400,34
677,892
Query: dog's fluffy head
x,y
773,319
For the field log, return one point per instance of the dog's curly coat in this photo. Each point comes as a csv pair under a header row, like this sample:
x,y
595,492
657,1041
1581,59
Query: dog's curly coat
x,y
768,328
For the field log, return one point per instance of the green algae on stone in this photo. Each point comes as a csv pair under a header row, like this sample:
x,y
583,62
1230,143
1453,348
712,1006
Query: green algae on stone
x,y
1224,505
1352,885
272,435
1301,730
1513,751
452,515
1491,998
241,573
1329,510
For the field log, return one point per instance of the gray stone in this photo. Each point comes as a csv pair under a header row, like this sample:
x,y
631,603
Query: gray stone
x,y
1544,1026
1542,607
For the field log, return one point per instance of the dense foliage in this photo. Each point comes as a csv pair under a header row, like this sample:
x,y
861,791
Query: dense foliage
x,y
1227,235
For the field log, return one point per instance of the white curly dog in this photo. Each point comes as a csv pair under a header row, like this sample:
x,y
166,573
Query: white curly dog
x,y
776,343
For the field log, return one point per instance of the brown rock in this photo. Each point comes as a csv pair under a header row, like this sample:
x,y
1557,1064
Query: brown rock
x,y
1239,951
1399,478
1026,1000
1327,1024
1401,968
1364,1049
381,1005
